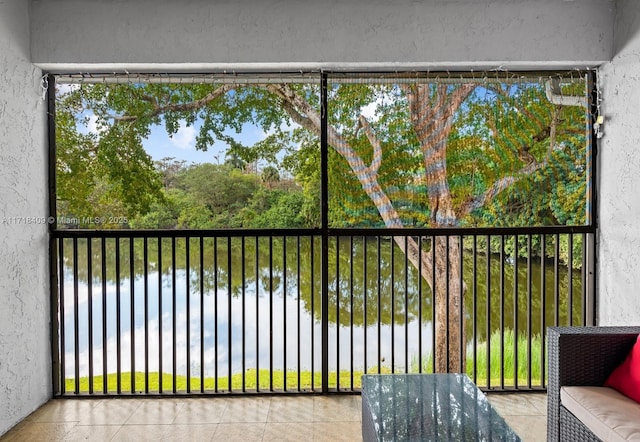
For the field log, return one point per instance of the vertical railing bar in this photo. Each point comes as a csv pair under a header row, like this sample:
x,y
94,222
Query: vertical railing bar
x,y
583,278
118,343
187,274
271,313
299,294
379,316
244,316
145,252
90,307
338,313
434,318
406,305
419,304
351,258
529,306
132,316
502,302
56,280
160,294
174,304
103,270
447,302
284,309
365,320
392,297
589,278
475,308
63,337
516,309
570,278
215,314
488,310
202,314
556,270
257,264
229,317
76,322
543,308
463,362
313,320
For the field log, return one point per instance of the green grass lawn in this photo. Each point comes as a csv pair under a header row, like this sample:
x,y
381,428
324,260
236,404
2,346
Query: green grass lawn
x,y
250,382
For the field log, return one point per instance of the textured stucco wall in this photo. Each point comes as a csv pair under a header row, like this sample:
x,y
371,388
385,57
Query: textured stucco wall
x,y
370,33
619,200
25,355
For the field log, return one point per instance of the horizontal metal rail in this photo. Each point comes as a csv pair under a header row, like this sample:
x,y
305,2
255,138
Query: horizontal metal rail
x,y
240,311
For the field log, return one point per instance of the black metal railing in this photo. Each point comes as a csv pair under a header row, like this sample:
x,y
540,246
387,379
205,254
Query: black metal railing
x,y
220,312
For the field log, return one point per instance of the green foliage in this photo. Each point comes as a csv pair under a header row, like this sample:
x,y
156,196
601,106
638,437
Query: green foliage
x,y
527,129
105,174
209,196
400,170
489,365
503,132
219,188
505,344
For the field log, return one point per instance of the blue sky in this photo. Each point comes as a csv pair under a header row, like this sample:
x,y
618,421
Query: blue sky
x,y
181,145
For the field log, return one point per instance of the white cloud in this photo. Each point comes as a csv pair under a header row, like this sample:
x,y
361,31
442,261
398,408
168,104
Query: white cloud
x,y
369,111
185,138
64,88
88,123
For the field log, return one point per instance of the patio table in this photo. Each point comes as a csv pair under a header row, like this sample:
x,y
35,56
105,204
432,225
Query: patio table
x,y
428,407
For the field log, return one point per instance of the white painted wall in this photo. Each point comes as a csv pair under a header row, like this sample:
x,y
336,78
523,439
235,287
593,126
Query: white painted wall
x,y
332,33
25,354
619,175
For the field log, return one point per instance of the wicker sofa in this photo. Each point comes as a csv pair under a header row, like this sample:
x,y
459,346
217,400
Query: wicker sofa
x,y
585,356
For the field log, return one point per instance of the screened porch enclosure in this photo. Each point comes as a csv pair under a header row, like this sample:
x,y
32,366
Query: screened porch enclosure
x,y
391,223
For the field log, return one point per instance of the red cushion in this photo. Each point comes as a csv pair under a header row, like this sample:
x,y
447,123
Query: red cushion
x,y
626,377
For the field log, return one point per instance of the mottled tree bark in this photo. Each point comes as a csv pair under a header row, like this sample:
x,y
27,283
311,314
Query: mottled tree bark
x,y
432,110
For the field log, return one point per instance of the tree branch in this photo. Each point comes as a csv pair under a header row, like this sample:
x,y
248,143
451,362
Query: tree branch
x,y
297,107
375,143
299,118
179,107
458,96
498,186
553,130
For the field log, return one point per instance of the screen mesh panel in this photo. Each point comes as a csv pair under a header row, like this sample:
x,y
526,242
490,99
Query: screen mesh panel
x,y
432,151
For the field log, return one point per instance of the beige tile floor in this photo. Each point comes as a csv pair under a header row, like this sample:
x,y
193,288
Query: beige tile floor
x,y
291,418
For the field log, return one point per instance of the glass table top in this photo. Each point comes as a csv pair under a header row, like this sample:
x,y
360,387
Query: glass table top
x,y
429,407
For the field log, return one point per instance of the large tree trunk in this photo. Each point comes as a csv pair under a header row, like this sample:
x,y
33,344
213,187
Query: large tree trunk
x,y
432,120
448,297
432,110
